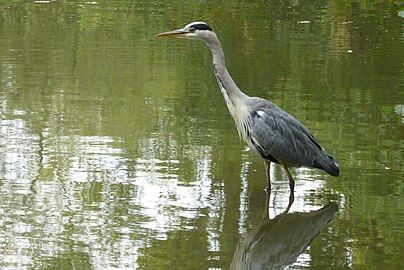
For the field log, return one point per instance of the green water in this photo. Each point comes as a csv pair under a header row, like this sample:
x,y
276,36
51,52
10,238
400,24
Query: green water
x,y
117,150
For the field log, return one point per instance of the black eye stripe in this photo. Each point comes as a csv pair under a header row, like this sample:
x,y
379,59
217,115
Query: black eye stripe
x,y
200,26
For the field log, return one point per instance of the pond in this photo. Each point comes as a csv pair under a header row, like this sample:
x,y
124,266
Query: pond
x,y
117,150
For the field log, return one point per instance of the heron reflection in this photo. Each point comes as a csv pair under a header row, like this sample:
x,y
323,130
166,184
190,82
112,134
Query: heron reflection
x,y
276,243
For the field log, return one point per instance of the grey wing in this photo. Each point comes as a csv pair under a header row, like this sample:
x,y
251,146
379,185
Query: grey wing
x,y
278,135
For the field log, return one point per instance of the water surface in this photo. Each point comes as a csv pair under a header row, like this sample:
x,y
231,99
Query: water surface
x,y
117,150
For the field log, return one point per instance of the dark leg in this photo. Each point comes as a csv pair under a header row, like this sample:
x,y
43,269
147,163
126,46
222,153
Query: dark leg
x,y
267,165
291,185
291,181
266,210
291,200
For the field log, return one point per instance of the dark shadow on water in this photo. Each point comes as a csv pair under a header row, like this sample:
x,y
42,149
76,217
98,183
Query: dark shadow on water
x,y
276,243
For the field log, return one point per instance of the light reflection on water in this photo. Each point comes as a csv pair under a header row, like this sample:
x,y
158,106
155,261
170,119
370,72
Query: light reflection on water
x,y
53,209
60,208
56,212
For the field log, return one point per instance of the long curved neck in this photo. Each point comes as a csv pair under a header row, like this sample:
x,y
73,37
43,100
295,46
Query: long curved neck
x,y
235,99
226,83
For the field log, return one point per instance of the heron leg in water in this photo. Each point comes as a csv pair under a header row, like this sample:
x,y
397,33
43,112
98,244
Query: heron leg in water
x,y
266,209
291,181
267,200
267,165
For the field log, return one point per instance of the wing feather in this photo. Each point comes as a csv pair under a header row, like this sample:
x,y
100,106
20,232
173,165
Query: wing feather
x,y
282,136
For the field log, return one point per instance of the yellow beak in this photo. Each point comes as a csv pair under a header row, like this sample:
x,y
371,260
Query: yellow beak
x,y
174,33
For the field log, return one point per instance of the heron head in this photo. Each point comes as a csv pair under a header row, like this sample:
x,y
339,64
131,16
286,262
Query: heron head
x,y
194,30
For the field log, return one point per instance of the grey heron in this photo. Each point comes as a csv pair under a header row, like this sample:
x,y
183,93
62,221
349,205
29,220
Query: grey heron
x,y
271,132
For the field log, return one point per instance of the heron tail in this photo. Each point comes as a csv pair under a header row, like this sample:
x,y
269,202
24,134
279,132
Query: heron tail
x,y
328,164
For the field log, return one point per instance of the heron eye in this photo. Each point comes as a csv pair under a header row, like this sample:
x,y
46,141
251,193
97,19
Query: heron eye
x,y
192,30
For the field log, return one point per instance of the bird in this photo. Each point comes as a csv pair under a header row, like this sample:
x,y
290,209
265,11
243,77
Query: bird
x,y
275,135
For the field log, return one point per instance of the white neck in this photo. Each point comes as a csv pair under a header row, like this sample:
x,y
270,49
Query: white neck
x,y
235,99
